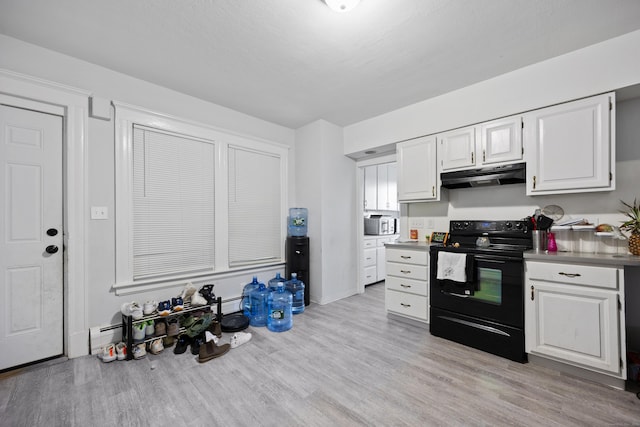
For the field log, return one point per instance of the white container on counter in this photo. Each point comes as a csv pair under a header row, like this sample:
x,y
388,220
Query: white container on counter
x,y
564,237
584,238
606,243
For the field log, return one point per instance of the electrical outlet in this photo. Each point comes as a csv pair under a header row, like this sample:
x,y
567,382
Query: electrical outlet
x,y
416,223
99,212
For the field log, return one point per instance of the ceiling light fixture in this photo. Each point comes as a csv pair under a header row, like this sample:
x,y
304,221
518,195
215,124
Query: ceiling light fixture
x,y
342,5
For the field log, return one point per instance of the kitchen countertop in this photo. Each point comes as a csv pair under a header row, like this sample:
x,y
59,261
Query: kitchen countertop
x,y
583,258
412,244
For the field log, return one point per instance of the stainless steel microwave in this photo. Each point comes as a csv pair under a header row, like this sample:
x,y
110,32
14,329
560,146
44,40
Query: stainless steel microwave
x,y
378,225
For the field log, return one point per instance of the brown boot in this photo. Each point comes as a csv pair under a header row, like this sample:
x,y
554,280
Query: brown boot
x,y
210,350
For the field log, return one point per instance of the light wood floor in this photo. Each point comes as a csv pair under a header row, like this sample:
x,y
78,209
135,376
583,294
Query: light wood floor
x,y
342,364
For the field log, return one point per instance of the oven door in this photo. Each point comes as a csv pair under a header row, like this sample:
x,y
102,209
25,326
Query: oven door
x,y
494,292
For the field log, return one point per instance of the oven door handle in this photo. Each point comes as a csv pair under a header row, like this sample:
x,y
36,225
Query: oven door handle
x,y
483,259
450,294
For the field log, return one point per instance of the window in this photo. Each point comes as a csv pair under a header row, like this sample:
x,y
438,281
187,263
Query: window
x,y
193,201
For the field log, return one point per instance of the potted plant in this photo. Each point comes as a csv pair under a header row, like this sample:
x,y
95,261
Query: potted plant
x,y
632,225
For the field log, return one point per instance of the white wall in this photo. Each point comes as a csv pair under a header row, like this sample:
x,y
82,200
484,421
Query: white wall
x,y
102,304
326,185
599,68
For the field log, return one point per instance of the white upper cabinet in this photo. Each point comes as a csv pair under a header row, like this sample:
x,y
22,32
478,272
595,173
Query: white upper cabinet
x,y
457,148
501,141
570,147
371,187
418,177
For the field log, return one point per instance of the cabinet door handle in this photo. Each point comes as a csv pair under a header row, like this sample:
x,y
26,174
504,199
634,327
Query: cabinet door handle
x,y
484,155
472,158
405,271
534,182
405,286
405,305
532,293
569,274
433,190
405,256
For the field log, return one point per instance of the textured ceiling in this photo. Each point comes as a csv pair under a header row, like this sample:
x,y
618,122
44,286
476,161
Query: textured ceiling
x,y
292,62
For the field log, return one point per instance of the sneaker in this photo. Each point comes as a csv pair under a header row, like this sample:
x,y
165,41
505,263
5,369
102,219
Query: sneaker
x,y
188,292
168,341
208,336
121,351
149,307
240,338
156,346
198,300
139,331
132,309
161,328
164,308
108,353
177,304
174,328
149,329
207,292
139,351
182,344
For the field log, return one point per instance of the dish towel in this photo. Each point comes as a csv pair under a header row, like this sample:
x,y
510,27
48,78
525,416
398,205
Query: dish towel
x,y
452,266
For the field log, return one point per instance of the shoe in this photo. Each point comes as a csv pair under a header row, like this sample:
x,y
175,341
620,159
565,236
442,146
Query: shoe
x,y
132,309
198,300
174,328
182,344
149,307
177,304
199,326
139,331
149,329
121,351
164,308
161,328
215,328
139,351
208,336
211,350
108,353
156,346
168,341
196,343
188,292
240,338
207,292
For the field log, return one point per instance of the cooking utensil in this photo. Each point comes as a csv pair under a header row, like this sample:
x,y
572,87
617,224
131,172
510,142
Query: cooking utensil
x,y
554,212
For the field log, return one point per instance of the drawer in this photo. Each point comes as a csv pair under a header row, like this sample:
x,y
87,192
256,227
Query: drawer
x,y
370,275
407,271
369,243
369,257
578,274
382,240
418,287
407,304
408,256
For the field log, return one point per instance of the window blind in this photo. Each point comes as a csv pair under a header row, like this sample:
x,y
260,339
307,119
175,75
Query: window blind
x,y
255,217
173,204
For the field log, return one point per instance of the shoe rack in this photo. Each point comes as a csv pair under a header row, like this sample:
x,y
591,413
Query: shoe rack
x,y
128,323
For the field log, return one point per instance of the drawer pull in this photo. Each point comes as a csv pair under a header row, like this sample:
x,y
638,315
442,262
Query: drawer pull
x,y
405,305
405,271
570,274
405,256
405,286
532,293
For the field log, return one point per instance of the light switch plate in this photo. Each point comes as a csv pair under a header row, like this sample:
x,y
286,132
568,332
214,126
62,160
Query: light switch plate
x,y
416,223
99,212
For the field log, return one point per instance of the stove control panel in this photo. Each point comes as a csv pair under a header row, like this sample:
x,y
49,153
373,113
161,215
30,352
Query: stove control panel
x,y
489,227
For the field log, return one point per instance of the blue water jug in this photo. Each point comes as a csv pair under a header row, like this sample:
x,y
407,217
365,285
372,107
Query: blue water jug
x,y
259,305
280,317
246,296
296,287
273,283
297,222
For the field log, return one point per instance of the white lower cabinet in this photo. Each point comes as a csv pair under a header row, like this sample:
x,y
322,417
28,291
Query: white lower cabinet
x,y
373,262
573,314
407,283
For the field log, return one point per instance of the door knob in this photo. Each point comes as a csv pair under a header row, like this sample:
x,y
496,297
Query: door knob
x,y
52,232
51,249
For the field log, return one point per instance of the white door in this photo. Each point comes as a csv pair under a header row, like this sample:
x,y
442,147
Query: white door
x,y
501,140
417,170
458,148
31,236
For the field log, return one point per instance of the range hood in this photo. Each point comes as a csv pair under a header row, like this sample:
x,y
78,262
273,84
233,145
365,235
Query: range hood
x,y
494,175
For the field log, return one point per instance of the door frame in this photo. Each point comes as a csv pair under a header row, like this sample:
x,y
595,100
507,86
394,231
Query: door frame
x,y
74,102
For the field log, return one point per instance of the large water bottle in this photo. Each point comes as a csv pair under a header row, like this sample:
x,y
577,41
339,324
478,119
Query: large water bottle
x,y
297,222
273,283
280,317
246,296
259,306
296,287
